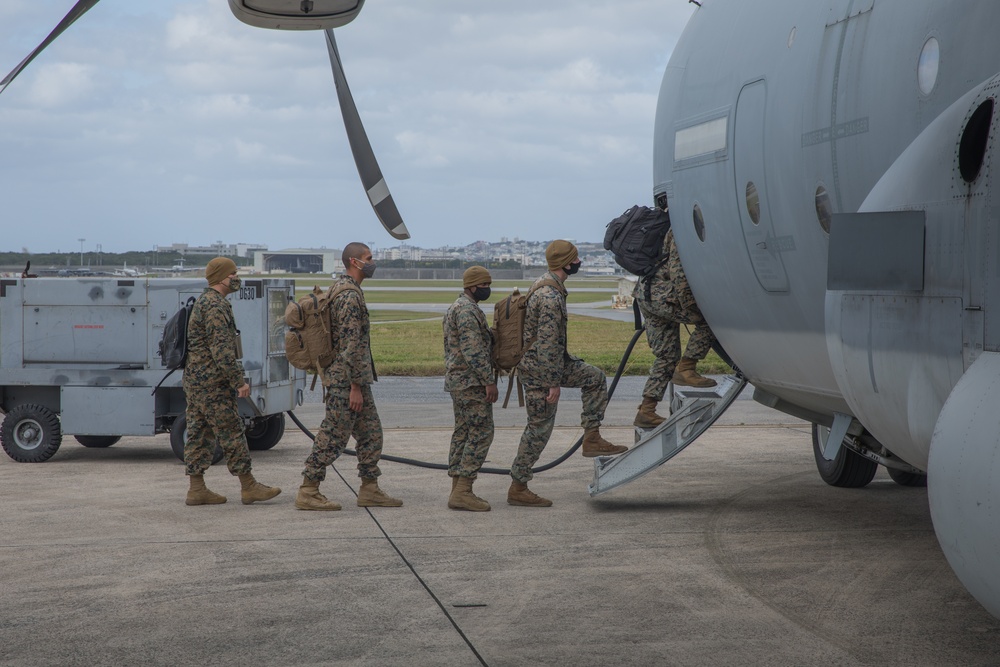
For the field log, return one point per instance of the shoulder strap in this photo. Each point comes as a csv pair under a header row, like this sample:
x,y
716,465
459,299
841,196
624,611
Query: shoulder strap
x,y
512,378
545,283
162,380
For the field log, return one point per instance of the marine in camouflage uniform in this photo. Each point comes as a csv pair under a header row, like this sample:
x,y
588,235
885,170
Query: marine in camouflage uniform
x,y
471,380
352,372
545,367
670,304
213,377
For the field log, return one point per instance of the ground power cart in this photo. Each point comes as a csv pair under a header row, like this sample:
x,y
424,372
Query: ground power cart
x,y
80,356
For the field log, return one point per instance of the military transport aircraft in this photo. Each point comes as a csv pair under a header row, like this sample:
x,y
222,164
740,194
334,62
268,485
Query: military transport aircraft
x,y
828,169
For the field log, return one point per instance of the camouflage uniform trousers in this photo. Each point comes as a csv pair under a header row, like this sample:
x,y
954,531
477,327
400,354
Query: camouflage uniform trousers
x,y
663,332
542,415
210,418
470,443
339,424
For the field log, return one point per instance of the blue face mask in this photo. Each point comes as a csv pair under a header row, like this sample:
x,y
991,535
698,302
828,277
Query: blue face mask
x,y
573,268
481,293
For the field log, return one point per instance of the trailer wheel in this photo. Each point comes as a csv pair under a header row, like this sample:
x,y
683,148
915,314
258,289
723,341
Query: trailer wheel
x,y
31,433
265,433
178,438
97,440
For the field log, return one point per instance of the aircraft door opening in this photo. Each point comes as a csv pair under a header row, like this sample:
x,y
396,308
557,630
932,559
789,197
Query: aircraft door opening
x,y
763,246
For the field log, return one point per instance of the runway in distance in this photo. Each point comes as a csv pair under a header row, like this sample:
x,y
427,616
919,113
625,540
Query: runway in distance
x,y
828,168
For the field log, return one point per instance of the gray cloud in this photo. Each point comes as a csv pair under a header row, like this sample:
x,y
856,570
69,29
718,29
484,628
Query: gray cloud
x,y
154,123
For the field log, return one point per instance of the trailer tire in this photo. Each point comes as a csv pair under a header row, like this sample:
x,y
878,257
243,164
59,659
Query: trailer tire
x,y
178,437
31,433
265,433
97,440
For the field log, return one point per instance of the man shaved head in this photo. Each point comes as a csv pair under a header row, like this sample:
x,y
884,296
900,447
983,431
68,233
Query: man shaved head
x,y
355,250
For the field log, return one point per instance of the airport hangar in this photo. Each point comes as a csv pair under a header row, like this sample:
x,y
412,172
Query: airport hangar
x,y
299,260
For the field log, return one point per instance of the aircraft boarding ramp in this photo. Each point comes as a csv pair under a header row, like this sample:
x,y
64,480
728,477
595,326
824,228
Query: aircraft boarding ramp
x,y
694,410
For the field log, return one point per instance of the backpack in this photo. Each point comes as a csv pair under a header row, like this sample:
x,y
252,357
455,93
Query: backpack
x,y
508,335
309,339
636,239
173,345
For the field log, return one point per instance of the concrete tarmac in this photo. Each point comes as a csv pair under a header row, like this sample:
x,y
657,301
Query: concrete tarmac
x,y
733,553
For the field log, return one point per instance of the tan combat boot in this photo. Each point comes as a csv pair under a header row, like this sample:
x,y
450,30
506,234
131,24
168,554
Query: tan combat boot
x,y
253,491
595,445
519,494
462,497
309,498
685,375
199,494
372,496
647,417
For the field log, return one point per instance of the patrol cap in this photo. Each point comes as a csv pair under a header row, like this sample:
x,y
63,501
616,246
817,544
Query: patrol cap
x,y
560,253
476,275
219,269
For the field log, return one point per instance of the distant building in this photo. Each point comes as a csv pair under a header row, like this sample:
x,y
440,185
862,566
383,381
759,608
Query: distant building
x,y
299,260
216,249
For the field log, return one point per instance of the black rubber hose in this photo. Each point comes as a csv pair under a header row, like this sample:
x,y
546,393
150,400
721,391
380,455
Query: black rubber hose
x,y
497,471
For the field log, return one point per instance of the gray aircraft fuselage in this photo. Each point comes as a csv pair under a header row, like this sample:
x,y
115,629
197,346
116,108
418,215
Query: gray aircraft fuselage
x,y
828,169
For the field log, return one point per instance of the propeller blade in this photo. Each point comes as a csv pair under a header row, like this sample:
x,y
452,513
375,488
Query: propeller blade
x,y
364,157
79,9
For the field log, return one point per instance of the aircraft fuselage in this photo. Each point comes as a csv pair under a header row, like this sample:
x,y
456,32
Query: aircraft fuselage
x,y
780,120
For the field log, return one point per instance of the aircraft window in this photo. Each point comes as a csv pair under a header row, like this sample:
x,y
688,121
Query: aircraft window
x,y
927,66
791,36
753,203
699,223
824,211
972,150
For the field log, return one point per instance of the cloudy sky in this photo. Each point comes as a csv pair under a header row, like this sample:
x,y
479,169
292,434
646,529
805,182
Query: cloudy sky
x,y
152,123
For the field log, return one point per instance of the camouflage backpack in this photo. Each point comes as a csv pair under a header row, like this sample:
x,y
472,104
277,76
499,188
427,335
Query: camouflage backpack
x,y
508,335
309,339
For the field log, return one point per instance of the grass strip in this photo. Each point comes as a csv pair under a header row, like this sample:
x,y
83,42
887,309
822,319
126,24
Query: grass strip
x,y
417,349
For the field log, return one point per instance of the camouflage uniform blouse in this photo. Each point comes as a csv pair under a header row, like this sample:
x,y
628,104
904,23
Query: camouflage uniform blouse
x,y
669,284
468,346
352,362
211,361
545,322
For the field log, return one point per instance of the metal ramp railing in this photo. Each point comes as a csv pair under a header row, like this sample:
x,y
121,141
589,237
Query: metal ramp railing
x,y
694,411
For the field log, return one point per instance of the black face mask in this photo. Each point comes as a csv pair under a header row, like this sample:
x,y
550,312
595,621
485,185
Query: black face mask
x,y
573,268
481,293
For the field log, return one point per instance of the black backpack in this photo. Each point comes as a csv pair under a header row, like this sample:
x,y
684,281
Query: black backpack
x,y
636,239
174,346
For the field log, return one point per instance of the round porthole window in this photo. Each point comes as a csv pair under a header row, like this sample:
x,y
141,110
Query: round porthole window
x,y
824,212
699,223
928,65
753,203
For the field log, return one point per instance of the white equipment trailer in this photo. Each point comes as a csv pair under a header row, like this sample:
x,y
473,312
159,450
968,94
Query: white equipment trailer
x,y
80,356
